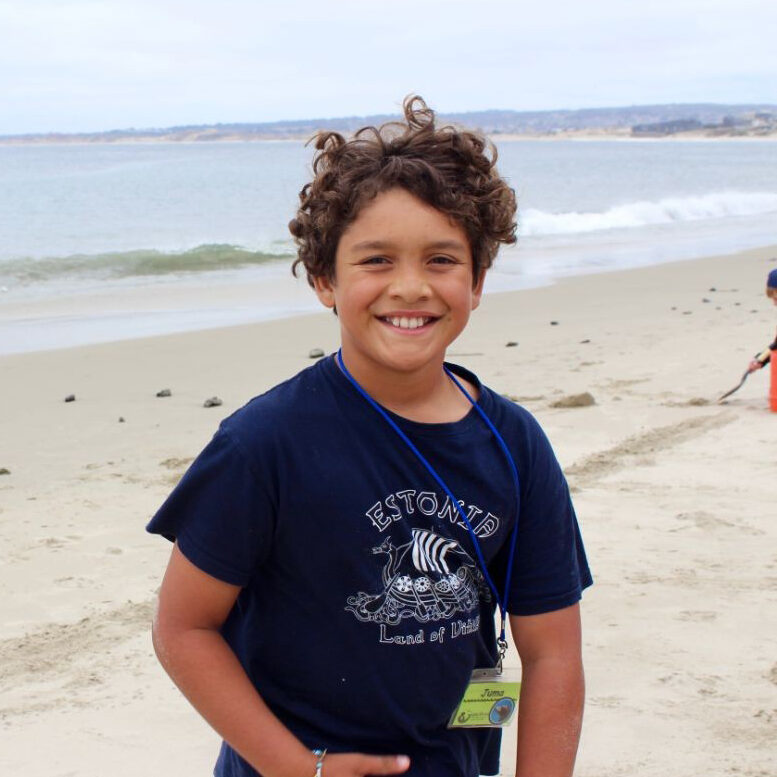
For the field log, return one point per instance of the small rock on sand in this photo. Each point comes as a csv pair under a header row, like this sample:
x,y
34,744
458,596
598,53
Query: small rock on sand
x,y
511,344
316,353
121,419
164,393
554,323
575,400
70,398
212,402
5,471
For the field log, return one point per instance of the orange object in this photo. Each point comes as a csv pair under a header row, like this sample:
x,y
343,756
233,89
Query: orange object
x,y
773,383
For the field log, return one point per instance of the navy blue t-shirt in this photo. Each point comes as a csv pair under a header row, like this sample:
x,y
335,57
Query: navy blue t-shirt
x,y
363,609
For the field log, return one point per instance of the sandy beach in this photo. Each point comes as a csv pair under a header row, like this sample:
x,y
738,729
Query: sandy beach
x,y
675,496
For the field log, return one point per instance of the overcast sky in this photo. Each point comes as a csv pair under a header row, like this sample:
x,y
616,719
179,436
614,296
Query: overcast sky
x,y
103,64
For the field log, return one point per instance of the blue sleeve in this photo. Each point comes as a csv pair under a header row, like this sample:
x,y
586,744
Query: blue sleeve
x,y
550,569
221,513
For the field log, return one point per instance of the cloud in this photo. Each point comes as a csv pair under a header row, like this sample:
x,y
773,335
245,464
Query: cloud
x,y
98,65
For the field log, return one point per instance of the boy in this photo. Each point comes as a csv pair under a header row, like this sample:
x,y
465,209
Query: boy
x,y
326,603
762,359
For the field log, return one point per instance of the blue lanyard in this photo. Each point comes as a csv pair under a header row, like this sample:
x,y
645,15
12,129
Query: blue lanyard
x,y
501,601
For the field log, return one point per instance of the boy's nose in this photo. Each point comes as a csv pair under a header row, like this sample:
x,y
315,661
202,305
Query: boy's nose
x,y
410,284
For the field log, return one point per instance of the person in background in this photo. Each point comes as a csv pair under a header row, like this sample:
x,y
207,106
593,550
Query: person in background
x,y
763,358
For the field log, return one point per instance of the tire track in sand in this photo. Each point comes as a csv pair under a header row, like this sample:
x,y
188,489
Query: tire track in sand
x,y
622,455
58,664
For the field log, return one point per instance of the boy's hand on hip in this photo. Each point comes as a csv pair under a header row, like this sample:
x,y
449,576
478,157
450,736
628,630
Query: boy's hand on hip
x,y
360,765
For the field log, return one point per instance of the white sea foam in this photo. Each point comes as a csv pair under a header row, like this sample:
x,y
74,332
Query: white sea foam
x,y
644,213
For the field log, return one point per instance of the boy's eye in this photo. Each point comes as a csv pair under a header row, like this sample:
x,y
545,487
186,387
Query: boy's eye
x,y
375,260
443,260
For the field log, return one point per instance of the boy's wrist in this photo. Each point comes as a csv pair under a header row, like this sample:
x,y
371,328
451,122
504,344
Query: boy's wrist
x,y
302,762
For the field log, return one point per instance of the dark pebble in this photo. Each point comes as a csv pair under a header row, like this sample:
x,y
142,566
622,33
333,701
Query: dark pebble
x,y
121,419
673,308
70,398
704,299
4,471
511,344
583,342
315,353
712,288
212,402
687,312
164,393
554,323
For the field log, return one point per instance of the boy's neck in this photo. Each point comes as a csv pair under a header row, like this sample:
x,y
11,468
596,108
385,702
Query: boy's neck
x,y
426,396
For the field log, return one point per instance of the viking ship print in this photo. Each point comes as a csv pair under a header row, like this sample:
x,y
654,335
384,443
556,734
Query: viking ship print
x,y
429,578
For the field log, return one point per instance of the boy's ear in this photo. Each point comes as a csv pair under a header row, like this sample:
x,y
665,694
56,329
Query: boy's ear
x,y
324,291
477,289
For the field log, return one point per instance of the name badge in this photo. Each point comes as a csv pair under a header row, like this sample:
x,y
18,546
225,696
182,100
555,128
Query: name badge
x,y
490,701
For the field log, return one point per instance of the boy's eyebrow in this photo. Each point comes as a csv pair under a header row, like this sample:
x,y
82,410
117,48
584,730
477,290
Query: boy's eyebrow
x,y
379,245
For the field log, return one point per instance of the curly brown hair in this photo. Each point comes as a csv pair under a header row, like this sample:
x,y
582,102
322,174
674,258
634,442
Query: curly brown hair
x,y
446,167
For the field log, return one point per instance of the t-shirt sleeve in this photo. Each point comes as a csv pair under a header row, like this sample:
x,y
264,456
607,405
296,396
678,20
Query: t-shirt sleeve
x,y
221,513
550,569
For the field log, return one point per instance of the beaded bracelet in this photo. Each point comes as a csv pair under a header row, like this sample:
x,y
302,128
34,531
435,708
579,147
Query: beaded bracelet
x,y
319,761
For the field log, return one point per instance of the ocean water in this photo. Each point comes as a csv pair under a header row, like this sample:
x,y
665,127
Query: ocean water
x,y
121,225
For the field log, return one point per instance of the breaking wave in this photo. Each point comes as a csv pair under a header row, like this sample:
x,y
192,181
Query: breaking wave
x,y
127,264
645,213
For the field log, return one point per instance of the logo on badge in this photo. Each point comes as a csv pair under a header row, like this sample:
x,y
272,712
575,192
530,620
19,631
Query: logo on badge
x,y
501,711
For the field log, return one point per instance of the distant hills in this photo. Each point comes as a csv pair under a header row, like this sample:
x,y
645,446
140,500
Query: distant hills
x,y
677,120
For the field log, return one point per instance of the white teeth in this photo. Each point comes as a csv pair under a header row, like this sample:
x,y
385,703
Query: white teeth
x,y
408,323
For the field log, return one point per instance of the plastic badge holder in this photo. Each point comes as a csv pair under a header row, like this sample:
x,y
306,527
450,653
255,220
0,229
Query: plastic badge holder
x,y
490,700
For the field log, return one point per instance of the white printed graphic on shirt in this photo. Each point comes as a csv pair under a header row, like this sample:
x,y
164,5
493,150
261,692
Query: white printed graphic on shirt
x,y
409,503
430,578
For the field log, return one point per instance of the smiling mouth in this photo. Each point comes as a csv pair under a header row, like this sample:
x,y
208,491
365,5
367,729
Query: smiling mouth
x,y
407,322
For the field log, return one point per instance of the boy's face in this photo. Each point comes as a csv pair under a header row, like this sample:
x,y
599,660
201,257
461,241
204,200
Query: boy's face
x,y
403,286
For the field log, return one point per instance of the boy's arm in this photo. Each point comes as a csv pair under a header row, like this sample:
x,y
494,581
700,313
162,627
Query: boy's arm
x,y
552,691
192,608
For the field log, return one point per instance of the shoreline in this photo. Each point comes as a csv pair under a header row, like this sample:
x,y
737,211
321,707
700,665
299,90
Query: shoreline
x,y
189,305
672,491
584,136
